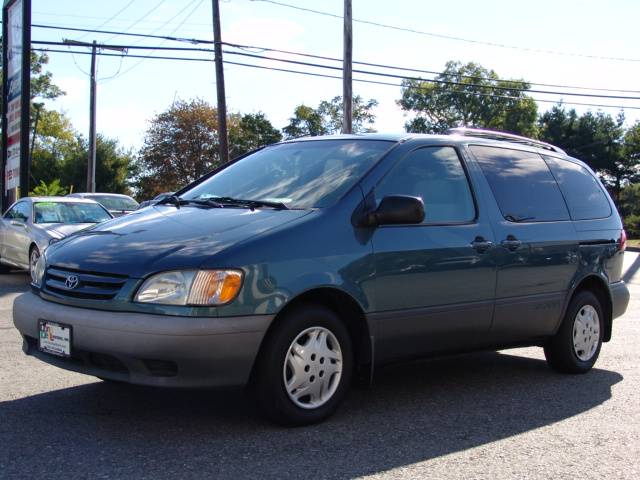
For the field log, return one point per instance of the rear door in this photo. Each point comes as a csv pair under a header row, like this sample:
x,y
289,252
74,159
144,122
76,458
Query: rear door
x,y
434,281
537,246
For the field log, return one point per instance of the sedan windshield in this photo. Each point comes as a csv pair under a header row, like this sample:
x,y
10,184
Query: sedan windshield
x,y
308,174
68,212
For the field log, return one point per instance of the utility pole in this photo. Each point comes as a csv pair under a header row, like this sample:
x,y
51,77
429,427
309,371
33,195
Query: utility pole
x,y
347,93
91,160
223,139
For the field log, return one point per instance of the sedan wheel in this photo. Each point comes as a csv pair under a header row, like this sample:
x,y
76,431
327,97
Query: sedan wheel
x,y
34,256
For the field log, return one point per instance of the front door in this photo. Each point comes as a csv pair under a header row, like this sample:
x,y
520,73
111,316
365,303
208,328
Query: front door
x,y
435,282
15,242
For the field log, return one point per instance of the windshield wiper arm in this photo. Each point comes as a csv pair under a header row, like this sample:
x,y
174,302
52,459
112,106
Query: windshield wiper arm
x,y
172,199
250,203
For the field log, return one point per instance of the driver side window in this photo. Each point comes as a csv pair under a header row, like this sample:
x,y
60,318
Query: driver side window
x,y
21,212
436,175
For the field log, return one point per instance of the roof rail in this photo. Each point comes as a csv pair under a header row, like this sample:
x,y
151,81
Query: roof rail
x,y
507,137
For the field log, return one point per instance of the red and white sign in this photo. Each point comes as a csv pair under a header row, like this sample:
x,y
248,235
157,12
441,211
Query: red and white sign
x,y
14,95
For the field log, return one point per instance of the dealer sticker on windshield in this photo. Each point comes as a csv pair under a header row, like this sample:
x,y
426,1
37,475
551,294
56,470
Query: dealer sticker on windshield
x,y
54,338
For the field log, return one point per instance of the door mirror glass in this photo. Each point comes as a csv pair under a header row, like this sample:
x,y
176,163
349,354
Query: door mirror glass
x,y
398,210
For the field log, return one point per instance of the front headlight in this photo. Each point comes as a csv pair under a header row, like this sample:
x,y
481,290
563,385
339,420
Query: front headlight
x,y
38,271
191,287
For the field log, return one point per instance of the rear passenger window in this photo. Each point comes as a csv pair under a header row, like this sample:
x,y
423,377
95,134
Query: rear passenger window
x,y
581,190
436,175
522,185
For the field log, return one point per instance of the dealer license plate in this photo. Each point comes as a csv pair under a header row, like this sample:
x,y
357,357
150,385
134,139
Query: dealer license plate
x,y
54,338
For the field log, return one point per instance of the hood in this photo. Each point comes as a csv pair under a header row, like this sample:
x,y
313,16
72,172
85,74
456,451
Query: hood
x,y
163,238
61,230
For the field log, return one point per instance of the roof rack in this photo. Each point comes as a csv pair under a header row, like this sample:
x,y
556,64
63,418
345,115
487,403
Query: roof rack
x,y
507,137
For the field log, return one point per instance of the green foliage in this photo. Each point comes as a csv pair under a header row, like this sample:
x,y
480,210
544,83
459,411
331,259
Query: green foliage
x,y
41,84
114,165
249,132
327,118
456,100
49,190
599,140
181,145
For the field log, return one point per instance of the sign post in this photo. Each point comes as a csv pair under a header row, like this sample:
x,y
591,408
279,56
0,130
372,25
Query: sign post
x,y
16,66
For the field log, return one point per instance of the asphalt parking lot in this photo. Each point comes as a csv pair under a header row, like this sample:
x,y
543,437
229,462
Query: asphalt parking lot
x,y
487,415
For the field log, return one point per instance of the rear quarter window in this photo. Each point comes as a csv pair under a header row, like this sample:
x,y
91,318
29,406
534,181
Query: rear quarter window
x,y
582,191
522,184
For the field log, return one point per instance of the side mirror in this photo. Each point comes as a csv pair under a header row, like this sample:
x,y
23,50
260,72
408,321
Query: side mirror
x,y
397,210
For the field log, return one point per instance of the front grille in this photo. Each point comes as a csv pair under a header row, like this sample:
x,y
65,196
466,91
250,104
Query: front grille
x,y
89,285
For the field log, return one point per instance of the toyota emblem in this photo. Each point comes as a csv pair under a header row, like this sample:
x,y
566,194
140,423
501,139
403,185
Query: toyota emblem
x,y
71,282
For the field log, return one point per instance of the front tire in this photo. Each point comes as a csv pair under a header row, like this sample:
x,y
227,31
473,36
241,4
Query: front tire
x,y
305,367
576,346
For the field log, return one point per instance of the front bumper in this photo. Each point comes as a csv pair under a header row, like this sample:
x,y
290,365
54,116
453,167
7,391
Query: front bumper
x,y
145,349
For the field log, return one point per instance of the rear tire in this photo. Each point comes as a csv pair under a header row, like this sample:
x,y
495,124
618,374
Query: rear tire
x,y
305,367
576,346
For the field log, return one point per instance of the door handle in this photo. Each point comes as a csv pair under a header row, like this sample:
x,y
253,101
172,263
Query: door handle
x,y
17,224
481,245
511,243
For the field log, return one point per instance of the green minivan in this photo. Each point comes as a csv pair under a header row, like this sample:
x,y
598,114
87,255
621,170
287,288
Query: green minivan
x,y
299,266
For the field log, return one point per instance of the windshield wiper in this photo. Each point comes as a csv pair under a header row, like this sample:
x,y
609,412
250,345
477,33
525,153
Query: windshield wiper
x,y
517,219
178,202
249,203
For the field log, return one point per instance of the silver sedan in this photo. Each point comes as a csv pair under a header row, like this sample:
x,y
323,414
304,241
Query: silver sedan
x,y
32,223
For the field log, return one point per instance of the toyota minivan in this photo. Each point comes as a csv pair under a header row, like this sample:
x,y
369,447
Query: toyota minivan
x,y
302,264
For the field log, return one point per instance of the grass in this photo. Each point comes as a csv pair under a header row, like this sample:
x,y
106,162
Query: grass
x,y
634,243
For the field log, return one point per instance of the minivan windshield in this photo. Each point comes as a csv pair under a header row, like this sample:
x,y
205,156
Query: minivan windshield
x,y
307,174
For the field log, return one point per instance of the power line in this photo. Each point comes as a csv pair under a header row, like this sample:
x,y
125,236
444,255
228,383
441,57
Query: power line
x,y
136,22
128,34
111,17
315,74
451,37
418,70
321,57
172,32
380,74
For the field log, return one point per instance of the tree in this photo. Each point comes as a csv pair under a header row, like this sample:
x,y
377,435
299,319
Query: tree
x,y
49,190
327,118
181,144
249,132
114,165
464,95
596,138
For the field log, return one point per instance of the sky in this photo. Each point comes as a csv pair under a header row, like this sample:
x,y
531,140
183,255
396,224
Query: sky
x,y
552,42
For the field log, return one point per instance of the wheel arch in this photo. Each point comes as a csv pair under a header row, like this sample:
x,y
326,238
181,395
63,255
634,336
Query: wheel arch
x,y
348,310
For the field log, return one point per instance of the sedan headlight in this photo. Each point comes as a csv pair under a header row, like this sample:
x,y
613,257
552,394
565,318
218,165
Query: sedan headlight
x,y
191,287
38,271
